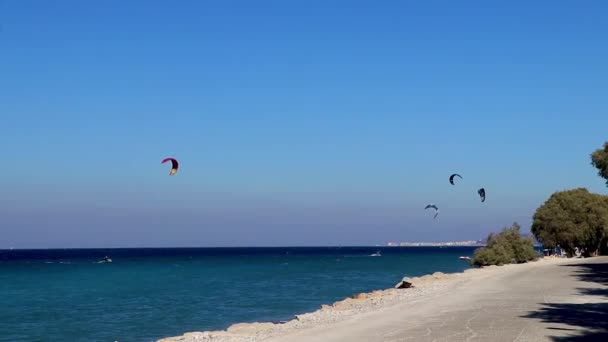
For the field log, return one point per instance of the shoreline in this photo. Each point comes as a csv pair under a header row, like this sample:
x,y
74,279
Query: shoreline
x,y
357,305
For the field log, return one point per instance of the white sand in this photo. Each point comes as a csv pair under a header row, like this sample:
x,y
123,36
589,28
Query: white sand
x,y
478,304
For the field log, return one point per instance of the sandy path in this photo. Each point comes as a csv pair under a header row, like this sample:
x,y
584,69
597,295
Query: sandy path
x,y
479,305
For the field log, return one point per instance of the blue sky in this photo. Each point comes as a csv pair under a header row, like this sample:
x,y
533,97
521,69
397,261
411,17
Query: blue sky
x,y
296,122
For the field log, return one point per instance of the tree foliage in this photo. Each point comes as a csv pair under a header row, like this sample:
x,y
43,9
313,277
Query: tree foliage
x,y
572,218
506,247
599,159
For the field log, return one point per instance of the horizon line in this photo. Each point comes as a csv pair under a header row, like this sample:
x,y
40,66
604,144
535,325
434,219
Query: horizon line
x,y
189,247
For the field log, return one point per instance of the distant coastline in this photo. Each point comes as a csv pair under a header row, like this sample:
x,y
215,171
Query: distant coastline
x,y
465,243
470,243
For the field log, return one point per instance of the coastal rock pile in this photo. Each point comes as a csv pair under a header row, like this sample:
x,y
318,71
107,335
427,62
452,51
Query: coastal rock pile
x,y
361,295
250,328
215,336
438,275
405,283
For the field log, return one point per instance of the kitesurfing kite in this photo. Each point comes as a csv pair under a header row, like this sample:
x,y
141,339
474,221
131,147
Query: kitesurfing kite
x,y
452,178
482,194
174,165
434,207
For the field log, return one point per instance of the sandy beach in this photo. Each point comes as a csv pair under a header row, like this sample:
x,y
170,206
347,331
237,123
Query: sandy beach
x,y
547,300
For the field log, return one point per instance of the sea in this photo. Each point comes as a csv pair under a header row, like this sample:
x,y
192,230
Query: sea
x,y
146,294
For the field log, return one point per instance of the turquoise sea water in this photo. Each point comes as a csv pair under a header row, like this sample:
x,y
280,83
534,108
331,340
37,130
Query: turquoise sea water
x,y
147,294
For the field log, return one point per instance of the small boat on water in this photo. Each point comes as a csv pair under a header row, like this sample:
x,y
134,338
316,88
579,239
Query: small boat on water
x,y
106,259
464,257
376,254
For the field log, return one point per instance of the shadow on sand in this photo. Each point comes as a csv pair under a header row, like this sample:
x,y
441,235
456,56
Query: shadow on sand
x,y
590,318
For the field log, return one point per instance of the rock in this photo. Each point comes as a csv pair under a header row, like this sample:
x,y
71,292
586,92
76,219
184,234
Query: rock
x,y
310,316
191,336
379,293
344,304
405,283
438,275
360,296
249,328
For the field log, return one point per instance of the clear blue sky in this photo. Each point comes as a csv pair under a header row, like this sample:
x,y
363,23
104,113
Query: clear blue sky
x,y
296,122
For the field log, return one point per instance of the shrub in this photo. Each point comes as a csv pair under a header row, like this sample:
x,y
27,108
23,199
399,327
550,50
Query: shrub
x,y
506,247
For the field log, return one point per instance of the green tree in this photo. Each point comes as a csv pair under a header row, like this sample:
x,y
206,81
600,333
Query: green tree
x,y
572,218
599,159
506,247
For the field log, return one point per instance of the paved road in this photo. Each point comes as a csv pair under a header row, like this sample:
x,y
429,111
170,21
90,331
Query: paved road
x,y
542,302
